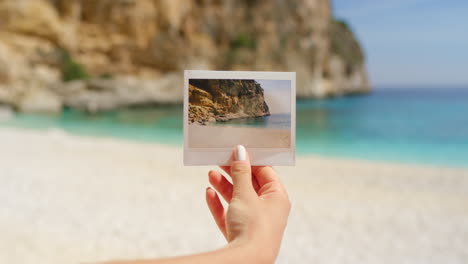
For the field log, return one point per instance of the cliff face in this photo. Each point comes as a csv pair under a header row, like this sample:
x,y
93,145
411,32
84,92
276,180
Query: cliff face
x,y
142,46
222,100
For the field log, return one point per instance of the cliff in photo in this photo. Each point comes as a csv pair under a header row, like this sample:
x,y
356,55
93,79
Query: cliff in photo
x,y
221,100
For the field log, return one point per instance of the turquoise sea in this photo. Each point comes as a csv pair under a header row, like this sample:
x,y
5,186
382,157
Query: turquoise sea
x,y
418,125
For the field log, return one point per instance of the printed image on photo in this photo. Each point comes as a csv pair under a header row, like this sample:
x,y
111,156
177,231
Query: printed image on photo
x,y
225,112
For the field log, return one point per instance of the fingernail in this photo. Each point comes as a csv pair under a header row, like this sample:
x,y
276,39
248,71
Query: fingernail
x,y
240,153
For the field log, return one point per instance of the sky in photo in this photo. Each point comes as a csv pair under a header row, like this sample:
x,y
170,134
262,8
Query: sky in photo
x,y
411,42
277,95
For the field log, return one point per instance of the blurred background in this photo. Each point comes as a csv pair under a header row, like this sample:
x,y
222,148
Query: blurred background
x,y
91,126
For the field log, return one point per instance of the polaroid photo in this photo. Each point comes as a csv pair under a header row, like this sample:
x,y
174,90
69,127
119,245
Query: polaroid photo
x,y
223,109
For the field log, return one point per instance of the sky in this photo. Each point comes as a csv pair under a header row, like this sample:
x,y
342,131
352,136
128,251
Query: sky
x,y
411,42
277,95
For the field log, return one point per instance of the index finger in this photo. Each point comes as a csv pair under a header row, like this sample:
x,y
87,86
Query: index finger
x,y
226,169
265,174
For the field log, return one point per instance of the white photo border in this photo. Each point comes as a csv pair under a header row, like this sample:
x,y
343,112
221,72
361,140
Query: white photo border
x,y
258,156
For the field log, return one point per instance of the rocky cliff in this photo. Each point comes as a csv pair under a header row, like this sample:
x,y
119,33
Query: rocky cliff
x,y
100,55
222,100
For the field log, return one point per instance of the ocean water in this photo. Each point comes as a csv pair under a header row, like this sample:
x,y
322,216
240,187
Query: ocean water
x,y
419,125
273,121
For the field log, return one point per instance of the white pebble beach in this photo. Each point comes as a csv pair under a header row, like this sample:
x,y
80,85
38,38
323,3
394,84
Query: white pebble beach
x,y
72,199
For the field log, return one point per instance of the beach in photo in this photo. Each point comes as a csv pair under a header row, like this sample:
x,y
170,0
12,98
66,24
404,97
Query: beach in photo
x,y
222,137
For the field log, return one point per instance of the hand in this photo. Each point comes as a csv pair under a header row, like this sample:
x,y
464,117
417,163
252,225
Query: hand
x,y
258,205
255,219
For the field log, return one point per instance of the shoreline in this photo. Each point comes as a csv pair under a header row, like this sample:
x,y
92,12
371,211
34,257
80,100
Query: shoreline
x,y
179,143
225,118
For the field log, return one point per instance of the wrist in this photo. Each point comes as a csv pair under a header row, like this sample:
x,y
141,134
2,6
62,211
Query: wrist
x,y
254,251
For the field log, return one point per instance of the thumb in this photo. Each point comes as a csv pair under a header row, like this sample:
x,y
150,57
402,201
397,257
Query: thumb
x,y
241,172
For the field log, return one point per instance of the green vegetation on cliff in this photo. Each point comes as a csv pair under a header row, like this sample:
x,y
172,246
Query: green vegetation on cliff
x,y
243,41
71,70
345,45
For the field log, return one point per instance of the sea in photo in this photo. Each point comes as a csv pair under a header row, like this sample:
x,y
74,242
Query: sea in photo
x,y
411,125
273,121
